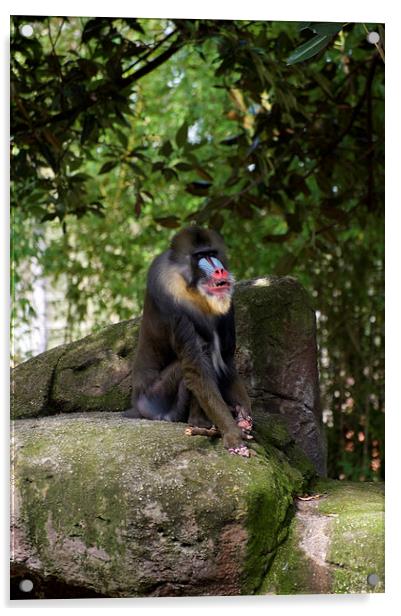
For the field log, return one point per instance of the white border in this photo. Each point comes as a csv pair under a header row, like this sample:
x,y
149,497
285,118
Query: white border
x,y
293,10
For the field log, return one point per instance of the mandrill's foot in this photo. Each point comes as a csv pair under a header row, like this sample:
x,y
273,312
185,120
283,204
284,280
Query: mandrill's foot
x,y
240,451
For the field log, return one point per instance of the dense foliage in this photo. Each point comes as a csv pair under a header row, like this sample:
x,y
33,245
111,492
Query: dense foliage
x,y
272,132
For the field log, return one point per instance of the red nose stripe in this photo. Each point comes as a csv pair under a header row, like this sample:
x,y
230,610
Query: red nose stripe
x,y
219,273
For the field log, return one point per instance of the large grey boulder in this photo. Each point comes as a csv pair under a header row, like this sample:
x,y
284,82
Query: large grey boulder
x,y
113,507
277,356
108,506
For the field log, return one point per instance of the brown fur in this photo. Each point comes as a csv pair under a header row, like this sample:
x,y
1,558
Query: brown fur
x,y
184,366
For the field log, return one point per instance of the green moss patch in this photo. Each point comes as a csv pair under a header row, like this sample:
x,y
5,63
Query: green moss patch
x,y
357,536
350,549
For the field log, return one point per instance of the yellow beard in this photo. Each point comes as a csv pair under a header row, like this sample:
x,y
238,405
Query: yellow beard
x,y
217,305
176,286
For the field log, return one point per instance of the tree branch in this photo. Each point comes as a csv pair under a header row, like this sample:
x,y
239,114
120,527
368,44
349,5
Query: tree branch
x,y
103,92
334,144
149,52
153,64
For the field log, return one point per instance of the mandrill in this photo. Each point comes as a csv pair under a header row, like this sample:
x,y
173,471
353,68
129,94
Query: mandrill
x,y
184,366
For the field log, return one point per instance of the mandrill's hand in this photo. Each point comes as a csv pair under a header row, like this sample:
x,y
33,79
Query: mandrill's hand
x,y
243,421
232,443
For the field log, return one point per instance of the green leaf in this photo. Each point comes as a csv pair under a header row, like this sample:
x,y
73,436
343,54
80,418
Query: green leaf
x,y
304,25
309,49
170,222
183,167
170,174
108,166
49,216
325,27
92,28
122,137
133,23
138,154
199,189
88,128
205,175
181,137
96,212
79,177
232,140
158,165
137,169
48,155
166,149
147,196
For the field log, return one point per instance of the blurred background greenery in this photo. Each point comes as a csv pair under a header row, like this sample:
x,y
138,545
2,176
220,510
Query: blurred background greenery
x,y
123,130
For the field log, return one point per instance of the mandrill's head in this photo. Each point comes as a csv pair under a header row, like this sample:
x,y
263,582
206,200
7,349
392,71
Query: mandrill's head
x,y
199,257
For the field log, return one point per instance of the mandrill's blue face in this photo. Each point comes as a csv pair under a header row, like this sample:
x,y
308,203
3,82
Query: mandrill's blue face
x,y
210,264
217,280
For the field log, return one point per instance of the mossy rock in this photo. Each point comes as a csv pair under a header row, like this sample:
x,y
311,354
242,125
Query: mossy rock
x,y
335,543
91,374
125,508
276,356
31,384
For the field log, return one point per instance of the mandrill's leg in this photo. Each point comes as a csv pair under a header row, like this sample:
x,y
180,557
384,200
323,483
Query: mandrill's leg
x,y
197,417
200,379
166,398
199,424
179,408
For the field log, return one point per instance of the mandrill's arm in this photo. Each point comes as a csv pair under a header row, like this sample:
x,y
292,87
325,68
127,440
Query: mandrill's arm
x,y
235,393
200,379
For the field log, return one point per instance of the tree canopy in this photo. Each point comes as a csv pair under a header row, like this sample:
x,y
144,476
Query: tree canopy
x,y
123,130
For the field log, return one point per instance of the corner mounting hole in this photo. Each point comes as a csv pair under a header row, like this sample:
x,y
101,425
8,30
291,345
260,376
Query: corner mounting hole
x,y
373,38
26,30
373,579
26,585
